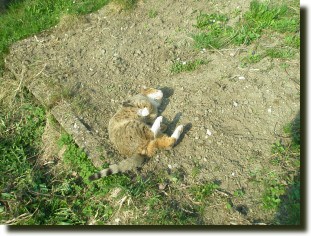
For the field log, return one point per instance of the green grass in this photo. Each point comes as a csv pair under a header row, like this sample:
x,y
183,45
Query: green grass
x,y
283,191
179,66
152,14
203,191
262,18
28,17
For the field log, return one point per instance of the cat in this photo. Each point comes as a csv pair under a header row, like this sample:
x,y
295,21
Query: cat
x,y
136,131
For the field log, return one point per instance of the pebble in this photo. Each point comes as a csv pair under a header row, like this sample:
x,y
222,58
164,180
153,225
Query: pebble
x,y
208,132
235,104
269,110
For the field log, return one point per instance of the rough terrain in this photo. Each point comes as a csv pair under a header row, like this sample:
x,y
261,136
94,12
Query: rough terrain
x,y
233,114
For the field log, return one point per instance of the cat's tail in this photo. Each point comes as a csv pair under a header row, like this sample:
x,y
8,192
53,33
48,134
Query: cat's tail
x,y
121,167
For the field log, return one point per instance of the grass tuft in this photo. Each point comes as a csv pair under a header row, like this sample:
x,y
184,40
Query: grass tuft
x,y
179,66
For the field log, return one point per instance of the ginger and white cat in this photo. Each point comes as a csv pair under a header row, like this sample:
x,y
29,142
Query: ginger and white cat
x,y
136,131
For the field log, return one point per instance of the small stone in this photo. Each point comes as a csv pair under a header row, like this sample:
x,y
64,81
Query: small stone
x,y
269,110
208,132
235,104
162,186
241,78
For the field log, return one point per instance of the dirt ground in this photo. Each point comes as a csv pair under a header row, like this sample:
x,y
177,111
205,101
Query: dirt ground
x,y
233,114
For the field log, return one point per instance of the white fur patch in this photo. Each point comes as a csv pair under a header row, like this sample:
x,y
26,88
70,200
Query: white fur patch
x,y
156,126
143,112
157,95
177,132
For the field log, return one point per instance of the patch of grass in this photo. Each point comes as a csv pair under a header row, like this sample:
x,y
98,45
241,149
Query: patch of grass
x,y
167,209
179,66
159,209
262,17
280,52
283,191
272,196
215,31
252,58
152,14
239,193
28,17
211,21
290,209
292,41
201,192
20,140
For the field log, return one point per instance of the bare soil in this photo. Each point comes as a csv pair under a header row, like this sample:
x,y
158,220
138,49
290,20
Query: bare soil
x,y
233,114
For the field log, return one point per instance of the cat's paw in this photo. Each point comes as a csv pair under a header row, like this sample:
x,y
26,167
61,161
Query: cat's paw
x,y
159,119
143,112
156,125
178,131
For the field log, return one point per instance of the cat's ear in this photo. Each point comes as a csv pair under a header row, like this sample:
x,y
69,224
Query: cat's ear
x,y
143,112
127,103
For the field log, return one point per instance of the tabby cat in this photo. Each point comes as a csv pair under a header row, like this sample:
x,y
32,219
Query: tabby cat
x,y
136,131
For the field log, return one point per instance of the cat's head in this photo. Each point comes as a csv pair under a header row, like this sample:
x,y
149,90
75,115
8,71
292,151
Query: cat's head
x,y
146,103
154,95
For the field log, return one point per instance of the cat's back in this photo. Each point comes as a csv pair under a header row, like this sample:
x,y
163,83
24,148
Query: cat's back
x,y
128,132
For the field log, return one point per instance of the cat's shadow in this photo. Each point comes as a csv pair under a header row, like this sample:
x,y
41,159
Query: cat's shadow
x,y
167,93
171,125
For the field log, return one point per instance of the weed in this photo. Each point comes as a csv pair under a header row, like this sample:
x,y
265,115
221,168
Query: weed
x,y
179,66
152,13
292,41
239,193
201,192
271,197
252,58
280,52
211,21
283,192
